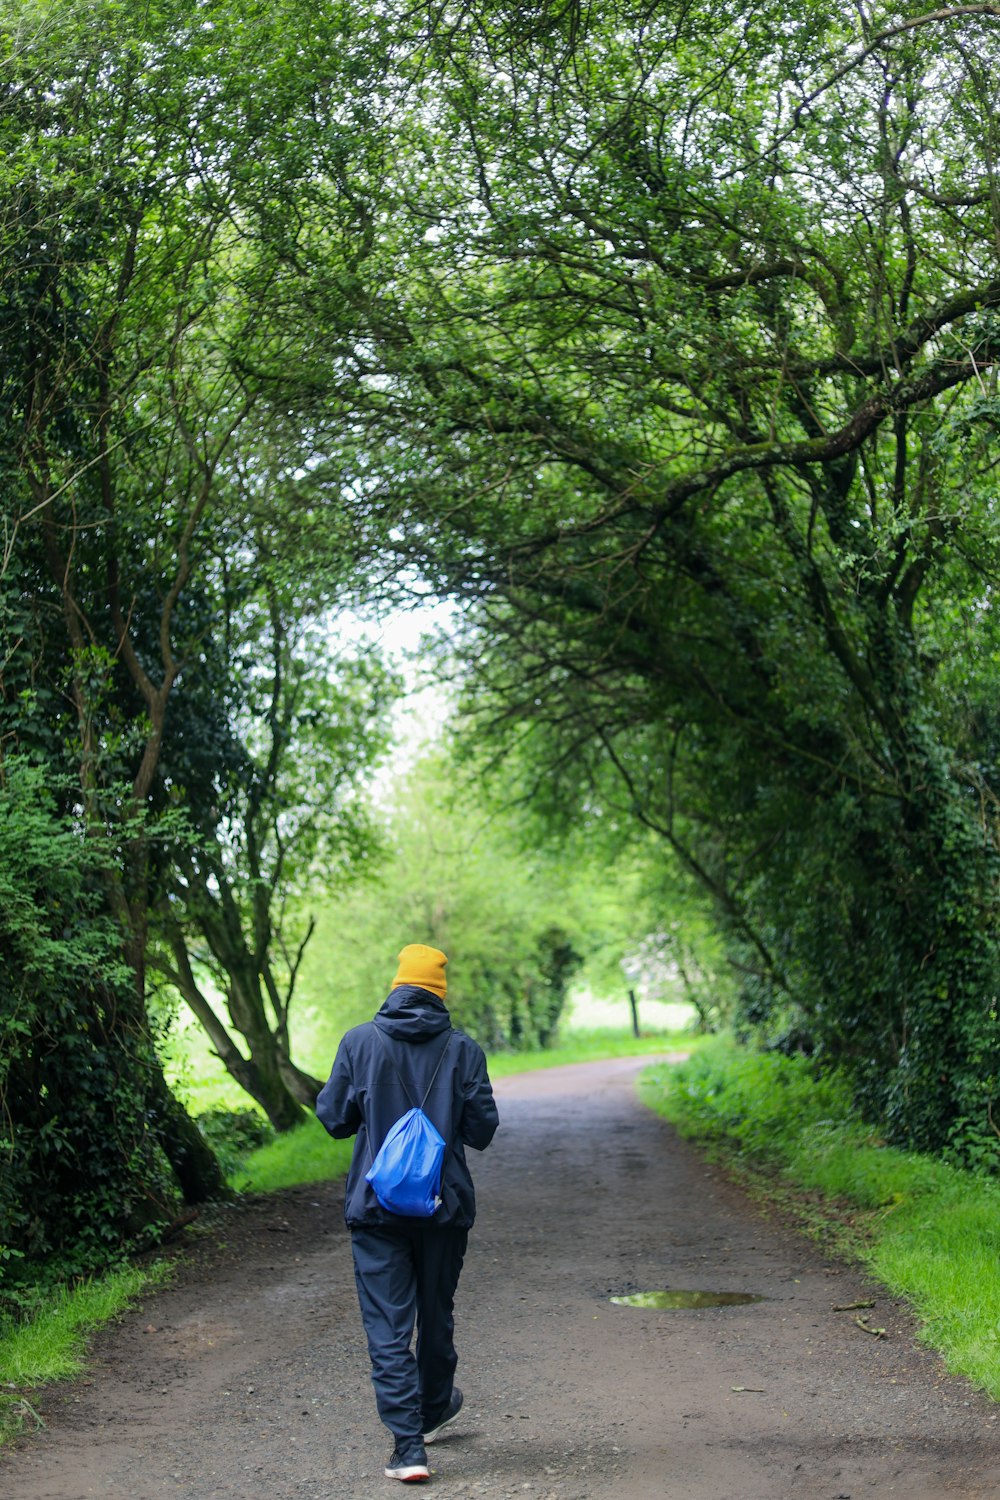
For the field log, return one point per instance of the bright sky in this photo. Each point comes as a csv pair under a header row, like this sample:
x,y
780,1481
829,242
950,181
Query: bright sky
x,y
418,716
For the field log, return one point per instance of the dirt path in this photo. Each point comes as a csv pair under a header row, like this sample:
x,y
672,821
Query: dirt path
x,y
248,1378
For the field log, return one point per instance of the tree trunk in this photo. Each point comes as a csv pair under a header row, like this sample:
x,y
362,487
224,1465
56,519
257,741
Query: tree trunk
x,y
261,1075
303,1086
246,1007
284,1110
945,1086
189,1154
194,1163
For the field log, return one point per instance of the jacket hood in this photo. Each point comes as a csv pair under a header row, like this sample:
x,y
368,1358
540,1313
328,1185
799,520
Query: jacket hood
x,y
413,1014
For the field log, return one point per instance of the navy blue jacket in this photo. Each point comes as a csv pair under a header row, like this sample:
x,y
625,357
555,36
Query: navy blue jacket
x,y
363,1096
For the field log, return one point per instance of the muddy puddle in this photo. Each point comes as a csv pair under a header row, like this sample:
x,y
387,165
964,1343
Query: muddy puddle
x,y
671,1301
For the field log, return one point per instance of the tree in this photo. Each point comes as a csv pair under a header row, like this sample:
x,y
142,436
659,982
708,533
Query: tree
x,y
677,360
121,408
455,875
287,822
150,162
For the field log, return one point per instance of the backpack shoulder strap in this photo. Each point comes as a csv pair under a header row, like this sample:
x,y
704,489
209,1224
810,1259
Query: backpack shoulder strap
x,y
437,1069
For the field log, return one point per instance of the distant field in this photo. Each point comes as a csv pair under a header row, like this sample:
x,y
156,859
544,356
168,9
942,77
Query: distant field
x,y
586,1012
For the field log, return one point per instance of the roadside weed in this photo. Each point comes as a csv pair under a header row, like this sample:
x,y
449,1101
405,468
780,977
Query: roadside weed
x,y
52,1344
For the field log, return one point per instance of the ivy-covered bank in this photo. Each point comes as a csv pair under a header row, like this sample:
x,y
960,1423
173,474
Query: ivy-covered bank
x,y
928,1230
82,1172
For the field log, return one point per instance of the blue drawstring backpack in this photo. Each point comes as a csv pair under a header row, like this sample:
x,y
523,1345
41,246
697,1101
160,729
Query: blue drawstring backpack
x,y
406,1173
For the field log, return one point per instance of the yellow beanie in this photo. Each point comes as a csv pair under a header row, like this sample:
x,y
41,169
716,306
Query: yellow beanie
x,y
421,965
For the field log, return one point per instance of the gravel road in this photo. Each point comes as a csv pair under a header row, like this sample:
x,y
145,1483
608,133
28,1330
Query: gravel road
x,y
248,1376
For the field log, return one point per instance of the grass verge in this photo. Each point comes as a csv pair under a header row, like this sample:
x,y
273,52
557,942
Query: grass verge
x,y
928,1231
52,1345
305,1154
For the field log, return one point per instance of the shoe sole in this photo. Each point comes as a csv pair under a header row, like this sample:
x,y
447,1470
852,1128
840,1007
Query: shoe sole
x,y
409,1473
435,1432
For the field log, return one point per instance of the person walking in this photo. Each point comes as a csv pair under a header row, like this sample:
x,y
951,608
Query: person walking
x,y
407,1269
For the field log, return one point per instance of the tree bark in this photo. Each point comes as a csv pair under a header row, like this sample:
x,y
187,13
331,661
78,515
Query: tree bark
x,y
262,1074
302,1085
194,1164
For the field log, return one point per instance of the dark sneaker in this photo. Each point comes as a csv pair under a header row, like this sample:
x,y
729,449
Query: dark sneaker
x,y
454,1407
410,1466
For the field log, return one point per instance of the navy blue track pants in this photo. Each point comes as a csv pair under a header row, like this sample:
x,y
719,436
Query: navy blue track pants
x,y
409,1275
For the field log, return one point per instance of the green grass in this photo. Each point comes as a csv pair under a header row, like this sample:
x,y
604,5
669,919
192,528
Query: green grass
x,y
928,1231
53,1344
306,1154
